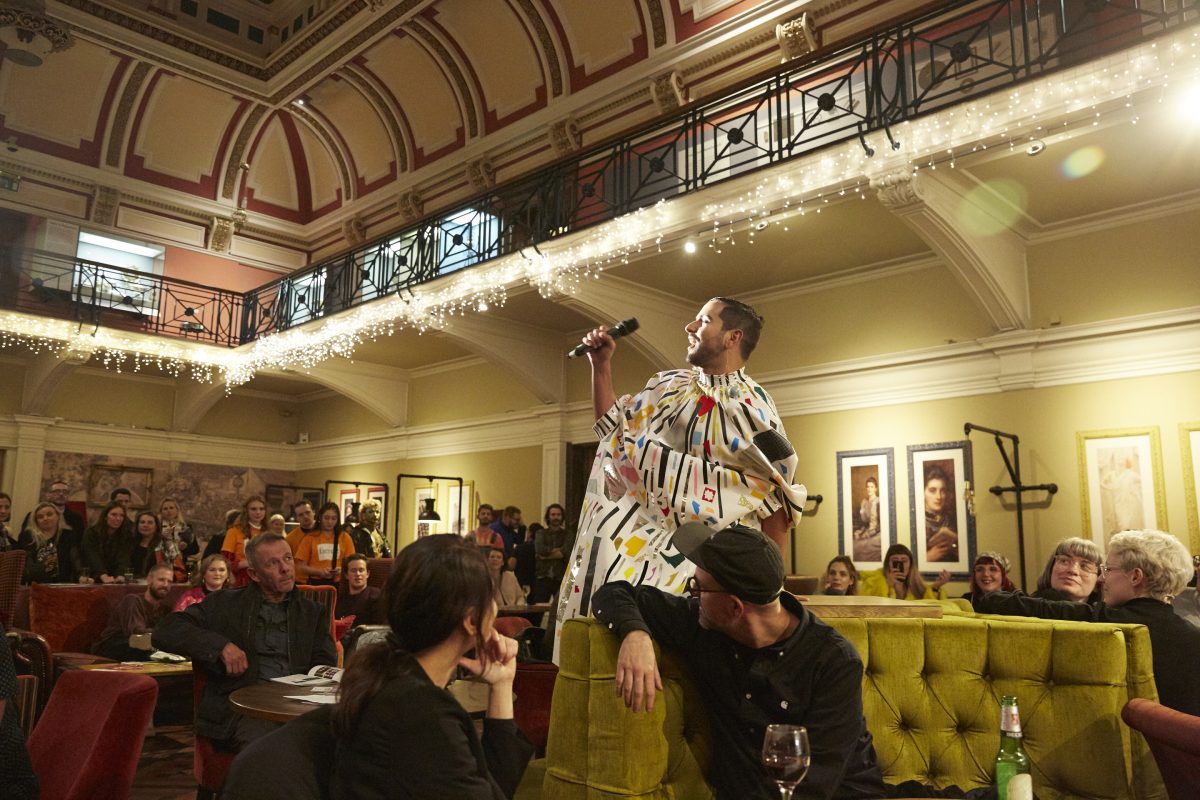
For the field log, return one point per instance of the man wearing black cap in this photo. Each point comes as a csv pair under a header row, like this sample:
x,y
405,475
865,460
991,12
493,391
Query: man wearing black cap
x,y
757,657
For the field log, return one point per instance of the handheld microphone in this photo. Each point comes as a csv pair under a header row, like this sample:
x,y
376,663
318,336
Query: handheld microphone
x,y
616,331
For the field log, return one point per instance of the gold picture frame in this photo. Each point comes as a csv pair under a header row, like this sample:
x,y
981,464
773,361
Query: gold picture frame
x,y
1115,467
1189,450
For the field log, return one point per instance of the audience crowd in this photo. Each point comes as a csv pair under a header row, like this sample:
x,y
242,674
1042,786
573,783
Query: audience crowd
x,y
243,619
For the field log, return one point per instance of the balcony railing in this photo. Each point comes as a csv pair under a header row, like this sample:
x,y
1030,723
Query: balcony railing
x,y
963,50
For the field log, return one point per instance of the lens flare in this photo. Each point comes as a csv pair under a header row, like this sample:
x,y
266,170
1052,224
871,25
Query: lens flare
x,y
993,207
1082,162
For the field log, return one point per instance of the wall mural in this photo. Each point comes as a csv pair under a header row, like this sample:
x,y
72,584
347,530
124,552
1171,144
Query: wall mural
x,y
204,491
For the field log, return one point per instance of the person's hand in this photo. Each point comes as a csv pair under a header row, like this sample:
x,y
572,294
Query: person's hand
x,y
234,659
941,545
556,553
942,579
602,345
637,672
86,579
502,661
106,578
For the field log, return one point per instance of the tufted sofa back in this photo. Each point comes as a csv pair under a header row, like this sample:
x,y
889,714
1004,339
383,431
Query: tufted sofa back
x,y
931,694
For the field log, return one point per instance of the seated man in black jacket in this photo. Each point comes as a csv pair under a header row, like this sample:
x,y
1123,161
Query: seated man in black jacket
x,y
1141,572
238,636
757,657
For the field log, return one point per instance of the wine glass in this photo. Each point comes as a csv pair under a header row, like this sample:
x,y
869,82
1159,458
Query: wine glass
x,y
786,756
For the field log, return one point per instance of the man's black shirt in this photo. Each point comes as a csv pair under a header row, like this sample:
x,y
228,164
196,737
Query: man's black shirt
x,y
812,678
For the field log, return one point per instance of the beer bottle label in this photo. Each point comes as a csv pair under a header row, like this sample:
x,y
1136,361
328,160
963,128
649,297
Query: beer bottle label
x,y
1010,720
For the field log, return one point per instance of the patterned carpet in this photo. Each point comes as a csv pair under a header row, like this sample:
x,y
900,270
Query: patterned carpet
x,y
165,768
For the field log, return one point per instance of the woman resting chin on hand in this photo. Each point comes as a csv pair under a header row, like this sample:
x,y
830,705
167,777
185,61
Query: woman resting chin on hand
x,y
400,732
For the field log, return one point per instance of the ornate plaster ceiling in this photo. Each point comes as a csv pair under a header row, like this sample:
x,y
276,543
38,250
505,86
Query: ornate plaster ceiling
x,y
360,112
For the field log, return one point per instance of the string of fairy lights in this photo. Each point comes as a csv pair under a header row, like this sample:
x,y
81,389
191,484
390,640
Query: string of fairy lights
x,y
1116,88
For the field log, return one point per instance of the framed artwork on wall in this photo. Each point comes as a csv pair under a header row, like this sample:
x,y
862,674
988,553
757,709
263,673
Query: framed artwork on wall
x,y
459,518
1121,481
942,529
866,505
422,497
347,500
1189,448
103,478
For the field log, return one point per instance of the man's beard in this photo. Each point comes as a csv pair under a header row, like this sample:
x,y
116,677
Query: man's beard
x,y
702,354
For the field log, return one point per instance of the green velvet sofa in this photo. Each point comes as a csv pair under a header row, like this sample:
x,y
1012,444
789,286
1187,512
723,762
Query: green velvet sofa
x,y
931,692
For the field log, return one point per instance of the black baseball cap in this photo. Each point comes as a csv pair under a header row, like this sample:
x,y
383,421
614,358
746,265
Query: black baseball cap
x,y
744,561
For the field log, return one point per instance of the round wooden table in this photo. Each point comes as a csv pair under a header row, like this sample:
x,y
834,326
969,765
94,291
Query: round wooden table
x,y
269,699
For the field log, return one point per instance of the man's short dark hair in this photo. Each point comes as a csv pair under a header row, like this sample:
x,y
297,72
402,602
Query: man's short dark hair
x,y
737,316
253,545
119,490
161,566
488,506
304,501
510,510
351,558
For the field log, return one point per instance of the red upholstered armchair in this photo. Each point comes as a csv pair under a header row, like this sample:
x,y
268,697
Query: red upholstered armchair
x,y
1174,738
534,688
12,568
87,743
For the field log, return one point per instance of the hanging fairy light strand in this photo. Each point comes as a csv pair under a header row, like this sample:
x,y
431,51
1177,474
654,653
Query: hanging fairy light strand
x,y
1065,102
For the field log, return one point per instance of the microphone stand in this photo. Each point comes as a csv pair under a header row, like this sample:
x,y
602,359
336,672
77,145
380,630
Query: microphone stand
x,y
1013,465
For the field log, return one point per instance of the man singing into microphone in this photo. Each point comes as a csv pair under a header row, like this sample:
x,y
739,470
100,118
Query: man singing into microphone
x,y
700,445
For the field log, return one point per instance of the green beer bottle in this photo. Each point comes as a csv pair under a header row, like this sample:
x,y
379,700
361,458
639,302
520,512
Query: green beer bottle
x,y
1013,781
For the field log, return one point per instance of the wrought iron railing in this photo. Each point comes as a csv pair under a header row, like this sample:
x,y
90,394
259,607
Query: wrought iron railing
x,y
962,50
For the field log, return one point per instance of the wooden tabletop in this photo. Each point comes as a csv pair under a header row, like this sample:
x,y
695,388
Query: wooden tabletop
x,y
151,668
827,605
269,699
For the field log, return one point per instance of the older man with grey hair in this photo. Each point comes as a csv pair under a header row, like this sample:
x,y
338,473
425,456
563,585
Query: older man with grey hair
x,y
253,633
1142,572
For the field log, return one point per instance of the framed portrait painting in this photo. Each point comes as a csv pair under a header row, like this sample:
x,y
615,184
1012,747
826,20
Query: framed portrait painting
x,y
424,498
1121,482
347,502
942,532
866,506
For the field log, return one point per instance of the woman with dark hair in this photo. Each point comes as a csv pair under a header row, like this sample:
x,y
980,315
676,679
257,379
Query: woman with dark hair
x,y
106,546
841,576
990,574
316,561
147,536
899,578
249,524
400,733
1072,573
212,576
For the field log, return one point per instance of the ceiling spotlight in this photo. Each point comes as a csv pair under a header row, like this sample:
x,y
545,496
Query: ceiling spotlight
x,y
689,246
761,225
1035,147
298,101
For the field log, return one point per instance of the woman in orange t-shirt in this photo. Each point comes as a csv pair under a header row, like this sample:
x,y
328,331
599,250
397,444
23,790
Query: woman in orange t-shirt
x,y
248,525
314,554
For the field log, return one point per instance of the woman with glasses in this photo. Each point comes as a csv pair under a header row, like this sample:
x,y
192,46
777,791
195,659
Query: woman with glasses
x,y
1072,573
1141,573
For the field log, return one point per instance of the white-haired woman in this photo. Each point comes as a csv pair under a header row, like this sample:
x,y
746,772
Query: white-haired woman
x,y
1141,573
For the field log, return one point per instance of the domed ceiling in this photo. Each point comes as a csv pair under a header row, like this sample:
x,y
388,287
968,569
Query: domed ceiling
x,y
311,114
